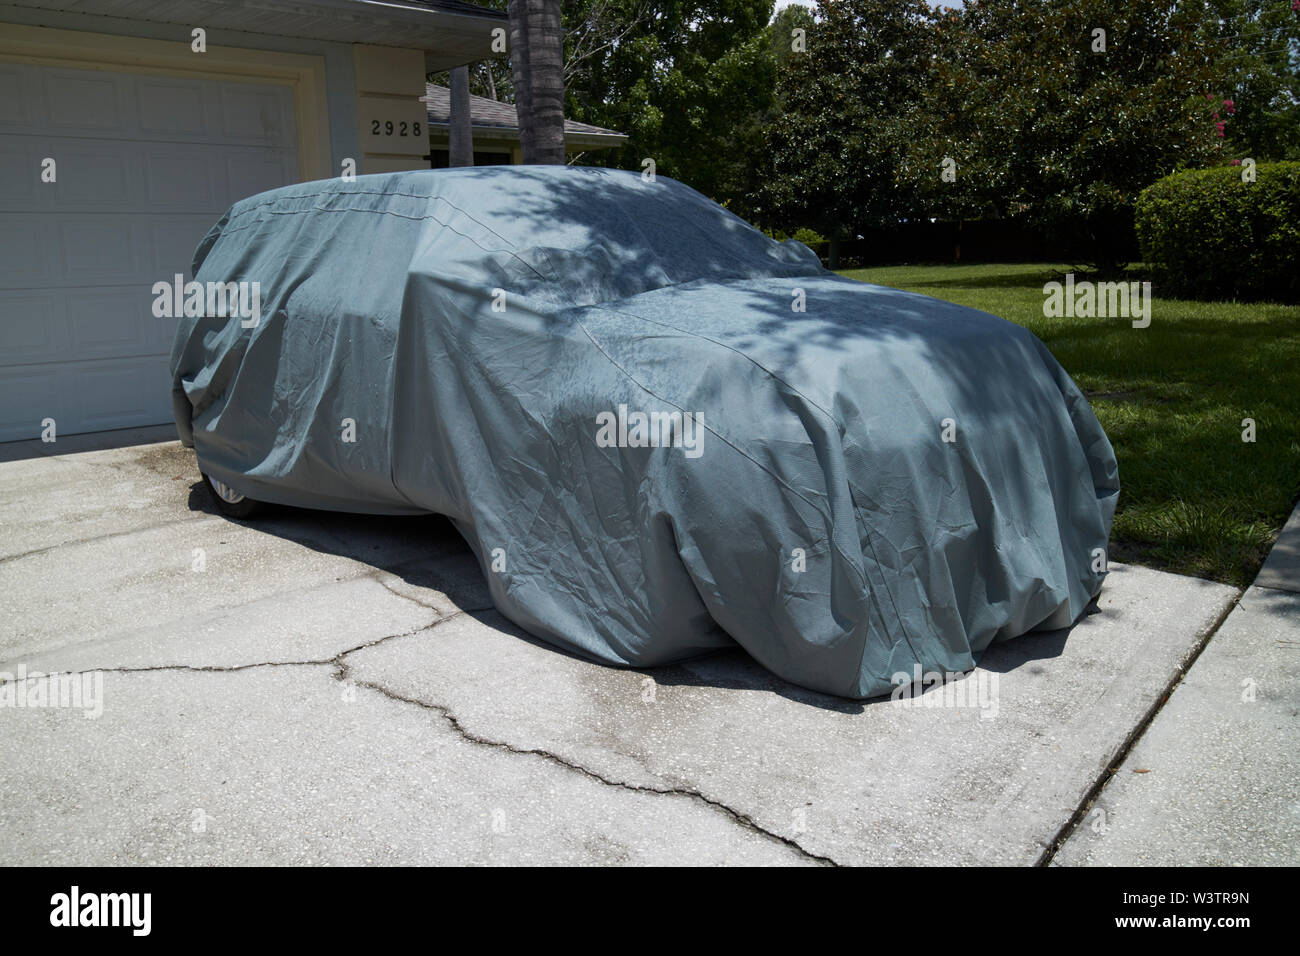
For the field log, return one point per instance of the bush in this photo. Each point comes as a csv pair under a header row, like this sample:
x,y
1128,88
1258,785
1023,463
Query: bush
x,y
808,237
1208,235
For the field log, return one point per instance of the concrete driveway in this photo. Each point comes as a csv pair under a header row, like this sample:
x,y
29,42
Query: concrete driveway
x,y
323,688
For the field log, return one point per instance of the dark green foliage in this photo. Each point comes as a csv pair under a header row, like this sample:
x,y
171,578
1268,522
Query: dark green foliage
x,y
1051,120
689,81
1209,235
1260,63
847,109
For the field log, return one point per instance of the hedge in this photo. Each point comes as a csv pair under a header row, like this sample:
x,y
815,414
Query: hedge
x,y
1208,235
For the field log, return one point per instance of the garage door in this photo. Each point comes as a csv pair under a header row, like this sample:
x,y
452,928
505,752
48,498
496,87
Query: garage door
x,y
144,165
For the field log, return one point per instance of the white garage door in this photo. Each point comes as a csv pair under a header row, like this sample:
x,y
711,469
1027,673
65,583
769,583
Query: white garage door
x,y
144,165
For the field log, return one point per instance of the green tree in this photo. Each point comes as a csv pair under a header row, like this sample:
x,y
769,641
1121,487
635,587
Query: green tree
x,y
847,105
1260,62
689,81
1062,111
783,40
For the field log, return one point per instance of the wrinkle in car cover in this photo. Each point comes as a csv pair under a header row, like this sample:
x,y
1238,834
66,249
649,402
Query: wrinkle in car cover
x,y
607,385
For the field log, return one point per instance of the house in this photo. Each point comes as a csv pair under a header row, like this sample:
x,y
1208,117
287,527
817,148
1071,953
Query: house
x,y
127,127
496,130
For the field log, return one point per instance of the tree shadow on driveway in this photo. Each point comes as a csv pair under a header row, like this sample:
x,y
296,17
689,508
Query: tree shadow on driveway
x,y
426,551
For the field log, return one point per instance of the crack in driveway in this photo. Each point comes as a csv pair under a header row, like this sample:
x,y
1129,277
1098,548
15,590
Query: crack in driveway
x,y
343,673
97,538
382,576
736,816
335,661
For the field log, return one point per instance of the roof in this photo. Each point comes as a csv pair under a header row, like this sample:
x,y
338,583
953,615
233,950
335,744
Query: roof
x,y
451,32
492,116
451,6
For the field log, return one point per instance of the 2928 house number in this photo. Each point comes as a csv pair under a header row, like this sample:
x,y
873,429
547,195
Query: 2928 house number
x,y
393,127
389,128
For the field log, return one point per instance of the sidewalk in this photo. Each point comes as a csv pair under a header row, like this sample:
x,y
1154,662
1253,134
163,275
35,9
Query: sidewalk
x,y
1215,780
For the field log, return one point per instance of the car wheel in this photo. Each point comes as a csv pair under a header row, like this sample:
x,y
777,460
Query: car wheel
x,y
229,501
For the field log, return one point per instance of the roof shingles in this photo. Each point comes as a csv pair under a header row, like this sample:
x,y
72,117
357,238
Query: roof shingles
x,y
491,114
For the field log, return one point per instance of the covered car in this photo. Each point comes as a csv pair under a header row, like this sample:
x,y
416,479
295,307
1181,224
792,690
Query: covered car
x,y
662,432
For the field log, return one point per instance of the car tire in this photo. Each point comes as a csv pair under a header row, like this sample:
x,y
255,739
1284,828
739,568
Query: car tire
x,y
229,501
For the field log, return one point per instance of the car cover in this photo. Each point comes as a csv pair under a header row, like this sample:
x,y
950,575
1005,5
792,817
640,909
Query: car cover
x,y
661,432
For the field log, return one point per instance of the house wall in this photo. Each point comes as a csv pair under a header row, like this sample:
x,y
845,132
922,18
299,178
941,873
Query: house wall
x,y
392,125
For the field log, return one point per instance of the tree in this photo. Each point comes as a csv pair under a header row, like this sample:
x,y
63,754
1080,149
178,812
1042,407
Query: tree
x,y
1061,111
460,138
847,107
1261,77
689,81
536,55
784,36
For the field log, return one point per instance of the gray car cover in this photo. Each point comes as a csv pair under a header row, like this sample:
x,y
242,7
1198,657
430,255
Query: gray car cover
x,y
661,432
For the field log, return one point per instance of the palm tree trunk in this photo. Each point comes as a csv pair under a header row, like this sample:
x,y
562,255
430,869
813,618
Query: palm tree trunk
x,y
460,136
518,13
546,61
537,58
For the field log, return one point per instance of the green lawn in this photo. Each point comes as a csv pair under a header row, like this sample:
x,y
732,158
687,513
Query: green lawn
x,y
1194,497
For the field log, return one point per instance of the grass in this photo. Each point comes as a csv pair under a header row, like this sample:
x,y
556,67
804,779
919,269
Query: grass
x,y
1194,497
